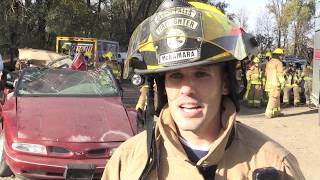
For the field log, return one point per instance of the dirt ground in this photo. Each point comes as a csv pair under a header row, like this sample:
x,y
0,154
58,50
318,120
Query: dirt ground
x,y
298,131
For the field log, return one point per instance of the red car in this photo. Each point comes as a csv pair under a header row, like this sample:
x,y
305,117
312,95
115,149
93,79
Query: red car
x,y
61,123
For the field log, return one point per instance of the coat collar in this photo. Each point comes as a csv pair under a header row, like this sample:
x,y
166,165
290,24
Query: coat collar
x,y
167,130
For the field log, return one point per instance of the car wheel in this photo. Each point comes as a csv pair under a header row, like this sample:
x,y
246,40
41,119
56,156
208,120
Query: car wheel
x,y
4,168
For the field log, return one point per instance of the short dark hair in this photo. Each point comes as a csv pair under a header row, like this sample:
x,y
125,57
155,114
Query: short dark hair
x,y
229,68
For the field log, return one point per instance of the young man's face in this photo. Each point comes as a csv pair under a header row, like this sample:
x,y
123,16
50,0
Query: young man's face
x,y
194,96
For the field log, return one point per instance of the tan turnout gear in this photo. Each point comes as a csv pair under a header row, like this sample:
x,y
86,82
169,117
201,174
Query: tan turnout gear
x,y
297,78
293,78
287,87
112,64
288,75
142,100
307,77
254,78
249,150
274,82
141,103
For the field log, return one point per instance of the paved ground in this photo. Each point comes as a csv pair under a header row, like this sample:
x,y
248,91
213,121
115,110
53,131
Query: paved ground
x,y
298,131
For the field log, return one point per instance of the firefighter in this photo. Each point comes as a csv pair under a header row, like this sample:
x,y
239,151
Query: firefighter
x,y
254,78
263,64
65,49
195,136
296,82
288,75
112,64
268,55
307,77
274,83
142,102
88,57
107,56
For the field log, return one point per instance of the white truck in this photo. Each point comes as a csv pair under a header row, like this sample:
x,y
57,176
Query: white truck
x,y
316,60
123,56
137,58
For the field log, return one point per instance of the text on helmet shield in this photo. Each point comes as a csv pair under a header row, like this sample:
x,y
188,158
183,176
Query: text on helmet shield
x,y
173,57
189,23
178,10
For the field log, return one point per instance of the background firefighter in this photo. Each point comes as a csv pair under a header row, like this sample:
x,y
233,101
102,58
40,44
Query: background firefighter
x,y
307,77
297,78
116,68
288,75
274,83
254,78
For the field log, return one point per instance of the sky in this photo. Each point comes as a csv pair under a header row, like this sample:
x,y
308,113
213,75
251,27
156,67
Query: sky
x,y
253,7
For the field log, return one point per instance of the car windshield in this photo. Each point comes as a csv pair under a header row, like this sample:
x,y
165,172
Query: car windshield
x,y
66,82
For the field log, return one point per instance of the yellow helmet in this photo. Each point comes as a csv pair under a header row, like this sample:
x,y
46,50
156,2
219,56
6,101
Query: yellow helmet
x,y
184,34
107,55
66,46
259,55
278,51
88,54
256,60
268,54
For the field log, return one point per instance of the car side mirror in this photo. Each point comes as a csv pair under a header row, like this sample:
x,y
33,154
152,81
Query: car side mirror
x,y
9,81
15,83
9,77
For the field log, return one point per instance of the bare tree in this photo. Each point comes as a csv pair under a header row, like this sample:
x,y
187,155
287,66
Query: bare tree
x,y
264,30
302,11
88,3
241,17
133,12
278,9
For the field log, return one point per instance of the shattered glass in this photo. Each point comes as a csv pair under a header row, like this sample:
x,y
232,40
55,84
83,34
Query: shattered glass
x,y
66,82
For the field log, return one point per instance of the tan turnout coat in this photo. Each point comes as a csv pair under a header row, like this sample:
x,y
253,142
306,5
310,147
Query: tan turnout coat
x,y
248,151
274,74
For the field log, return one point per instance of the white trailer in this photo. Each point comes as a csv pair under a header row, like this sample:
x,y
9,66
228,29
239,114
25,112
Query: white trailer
x,y
316,60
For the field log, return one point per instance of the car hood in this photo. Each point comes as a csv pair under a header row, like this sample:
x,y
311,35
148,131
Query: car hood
x,y
72,119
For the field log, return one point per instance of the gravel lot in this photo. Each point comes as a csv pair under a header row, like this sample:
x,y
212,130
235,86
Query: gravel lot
x,y
298,131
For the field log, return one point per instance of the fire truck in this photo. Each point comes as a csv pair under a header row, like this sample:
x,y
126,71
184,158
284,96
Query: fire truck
x,y
316,60
97,48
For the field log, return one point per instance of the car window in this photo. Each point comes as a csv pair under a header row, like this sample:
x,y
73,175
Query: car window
x,y
66,82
